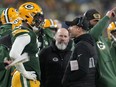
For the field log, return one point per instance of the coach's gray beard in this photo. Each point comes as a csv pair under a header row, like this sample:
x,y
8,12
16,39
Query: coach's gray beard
x,y
61,46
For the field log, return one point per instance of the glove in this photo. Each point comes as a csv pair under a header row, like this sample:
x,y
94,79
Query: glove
x,y
30,75
27,74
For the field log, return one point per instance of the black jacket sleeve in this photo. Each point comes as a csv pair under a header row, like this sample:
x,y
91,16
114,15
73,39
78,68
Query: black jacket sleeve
x,y
42,66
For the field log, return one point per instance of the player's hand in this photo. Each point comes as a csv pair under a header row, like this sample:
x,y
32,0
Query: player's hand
x,y
111,13
7,62
30,75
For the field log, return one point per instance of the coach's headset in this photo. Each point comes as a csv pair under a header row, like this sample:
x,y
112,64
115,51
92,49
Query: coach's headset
x,y
82,22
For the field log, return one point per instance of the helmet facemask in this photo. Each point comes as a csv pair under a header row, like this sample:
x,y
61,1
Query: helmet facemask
x,y
38,20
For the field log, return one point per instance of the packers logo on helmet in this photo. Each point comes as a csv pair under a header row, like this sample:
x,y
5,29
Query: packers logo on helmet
x,y
28,10
29,7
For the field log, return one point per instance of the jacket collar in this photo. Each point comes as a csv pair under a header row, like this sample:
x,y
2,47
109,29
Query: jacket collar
x,y
84,37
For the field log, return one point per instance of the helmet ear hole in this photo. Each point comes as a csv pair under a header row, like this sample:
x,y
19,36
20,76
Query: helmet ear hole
x,y
12,10
26,16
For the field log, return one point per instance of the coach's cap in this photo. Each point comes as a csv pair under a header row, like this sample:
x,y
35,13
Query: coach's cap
x,y
92,14
74,22
64,25
79,21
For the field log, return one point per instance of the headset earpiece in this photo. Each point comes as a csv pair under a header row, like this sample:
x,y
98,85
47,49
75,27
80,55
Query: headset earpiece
x,y
81,20
83,23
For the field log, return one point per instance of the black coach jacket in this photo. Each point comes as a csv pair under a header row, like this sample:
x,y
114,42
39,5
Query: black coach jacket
x,y
53,63
81,69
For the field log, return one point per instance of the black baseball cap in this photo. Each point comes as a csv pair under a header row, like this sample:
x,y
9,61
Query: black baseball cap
x,y
74,22
64,25
79,21
92,14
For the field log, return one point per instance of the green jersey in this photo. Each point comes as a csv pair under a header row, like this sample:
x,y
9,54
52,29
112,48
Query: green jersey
x,y
45,37
31,49
5,29
107,55
5,75
2,66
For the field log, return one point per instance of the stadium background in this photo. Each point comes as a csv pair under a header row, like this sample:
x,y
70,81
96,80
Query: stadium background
x,y
64,9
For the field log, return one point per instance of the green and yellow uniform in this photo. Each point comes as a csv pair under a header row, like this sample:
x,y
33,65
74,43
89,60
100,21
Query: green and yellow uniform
x,y
32,64
45,37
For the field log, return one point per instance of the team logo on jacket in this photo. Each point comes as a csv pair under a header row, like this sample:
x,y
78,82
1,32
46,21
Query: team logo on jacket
x,y
55,59
101,45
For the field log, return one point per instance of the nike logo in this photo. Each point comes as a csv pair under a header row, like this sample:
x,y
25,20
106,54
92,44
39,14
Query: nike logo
x,y
79,55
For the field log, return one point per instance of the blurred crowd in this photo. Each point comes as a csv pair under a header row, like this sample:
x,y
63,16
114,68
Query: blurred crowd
x,y
64,9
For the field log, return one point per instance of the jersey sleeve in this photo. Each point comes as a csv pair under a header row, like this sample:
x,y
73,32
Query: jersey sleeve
x,y
99,28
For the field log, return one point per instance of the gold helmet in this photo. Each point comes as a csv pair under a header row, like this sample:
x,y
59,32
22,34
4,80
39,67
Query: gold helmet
x,y
9,15
28,10
111,27
49,23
